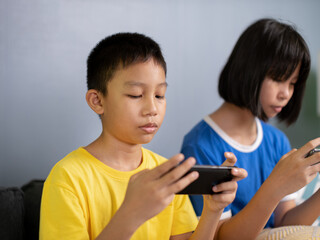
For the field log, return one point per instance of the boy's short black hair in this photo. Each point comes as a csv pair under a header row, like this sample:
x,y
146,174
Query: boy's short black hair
x,y
119,50
266,48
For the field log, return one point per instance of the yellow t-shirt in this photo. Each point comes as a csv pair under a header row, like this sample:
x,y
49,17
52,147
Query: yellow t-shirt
x,y
81,194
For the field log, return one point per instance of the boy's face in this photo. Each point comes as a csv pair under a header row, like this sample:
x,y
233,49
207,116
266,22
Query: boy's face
x,y
135,104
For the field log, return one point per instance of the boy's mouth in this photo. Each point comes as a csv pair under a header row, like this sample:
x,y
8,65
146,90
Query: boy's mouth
x,y
149,128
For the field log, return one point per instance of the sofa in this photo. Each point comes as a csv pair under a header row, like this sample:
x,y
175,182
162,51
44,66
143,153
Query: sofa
x,y
20,211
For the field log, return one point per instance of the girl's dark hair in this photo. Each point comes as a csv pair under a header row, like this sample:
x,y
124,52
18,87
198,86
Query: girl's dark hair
x,y
266,48
119,50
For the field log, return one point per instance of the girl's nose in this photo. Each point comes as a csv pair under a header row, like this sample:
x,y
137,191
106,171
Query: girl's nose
x,y
285,90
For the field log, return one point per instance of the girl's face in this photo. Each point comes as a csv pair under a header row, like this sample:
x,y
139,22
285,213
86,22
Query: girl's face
x,y
274,96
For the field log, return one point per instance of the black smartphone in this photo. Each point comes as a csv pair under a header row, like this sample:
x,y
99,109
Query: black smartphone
x,y
209,176
316,149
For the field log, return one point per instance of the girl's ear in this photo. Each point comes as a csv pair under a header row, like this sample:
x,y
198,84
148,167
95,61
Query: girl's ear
x,y
94,100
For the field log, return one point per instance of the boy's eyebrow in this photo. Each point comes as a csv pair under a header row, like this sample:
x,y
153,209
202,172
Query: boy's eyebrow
x,y
165,84
140,84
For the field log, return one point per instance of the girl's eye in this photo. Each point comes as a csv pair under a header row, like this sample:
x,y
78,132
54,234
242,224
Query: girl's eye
x,y
159,96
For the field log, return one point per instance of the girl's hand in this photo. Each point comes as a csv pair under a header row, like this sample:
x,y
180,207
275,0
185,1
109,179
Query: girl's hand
x,y
294,171
225,192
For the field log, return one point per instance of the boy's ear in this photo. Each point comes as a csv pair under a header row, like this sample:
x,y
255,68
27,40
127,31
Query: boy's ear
x,y
94,100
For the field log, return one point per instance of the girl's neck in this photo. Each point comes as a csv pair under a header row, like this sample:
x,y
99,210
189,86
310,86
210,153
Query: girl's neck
x,y
238,123
116,154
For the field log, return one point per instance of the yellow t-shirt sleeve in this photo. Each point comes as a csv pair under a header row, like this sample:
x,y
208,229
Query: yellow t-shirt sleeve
x,y
62,216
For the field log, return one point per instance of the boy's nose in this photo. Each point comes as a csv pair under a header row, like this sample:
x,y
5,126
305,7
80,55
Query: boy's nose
x,y
150,108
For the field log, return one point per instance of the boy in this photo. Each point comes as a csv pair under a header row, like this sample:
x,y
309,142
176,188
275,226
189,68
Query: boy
x,y
106,190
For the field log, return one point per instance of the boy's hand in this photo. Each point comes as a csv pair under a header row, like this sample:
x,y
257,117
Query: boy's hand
x,y
150,191
294,171
227,190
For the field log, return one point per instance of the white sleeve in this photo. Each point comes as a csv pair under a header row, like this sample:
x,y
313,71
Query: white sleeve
x,y
291,196
226,215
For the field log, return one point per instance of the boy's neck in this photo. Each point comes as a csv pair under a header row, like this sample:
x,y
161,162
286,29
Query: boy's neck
x,y
238,123
116,154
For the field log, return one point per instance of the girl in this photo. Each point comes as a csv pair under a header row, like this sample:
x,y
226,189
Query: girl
x,y
264,77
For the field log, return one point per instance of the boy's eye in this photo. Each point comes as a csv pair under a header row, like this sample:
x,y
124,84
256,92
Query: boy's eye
x,y
160,96
134,96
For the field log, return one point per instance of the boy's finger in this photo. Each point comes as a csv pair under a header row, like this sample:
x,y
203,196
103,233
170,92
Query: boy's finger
x,y
230,186
226,197
183,182
230,159
176,173
239,173
138,174
165,167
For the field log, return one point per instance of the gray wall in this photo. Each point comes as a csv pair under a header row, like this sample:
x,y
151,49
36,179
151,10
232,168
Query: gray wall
x,y
43,50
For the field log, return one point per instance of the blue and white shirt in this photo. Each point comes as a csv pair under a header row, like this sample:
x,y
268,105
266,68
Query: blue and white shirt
x,y
207,142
